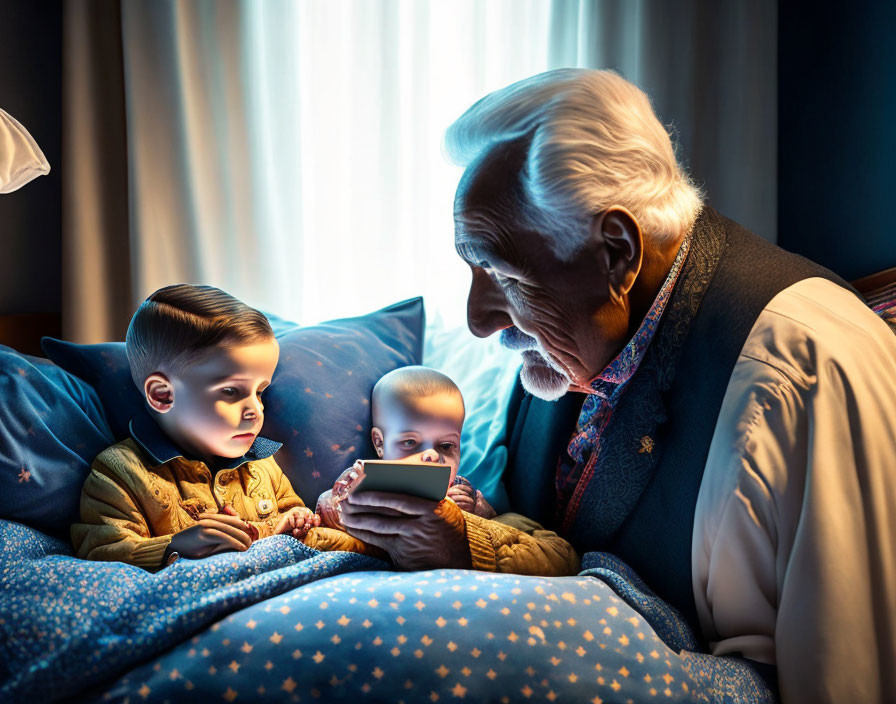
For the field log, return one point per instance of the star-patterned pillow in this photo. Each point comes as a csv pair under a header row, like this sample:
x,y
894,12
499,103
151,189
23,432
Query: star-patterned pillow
x,y
51,427
318,404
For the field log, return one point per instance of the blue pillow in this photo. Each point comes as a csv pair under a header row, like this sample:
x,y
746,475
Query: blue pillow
x,y
318,404
485,372
105,367
51,427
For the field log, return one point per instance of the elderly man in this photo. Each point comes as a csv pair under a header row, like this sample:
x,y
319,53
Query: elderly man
x,y
727,423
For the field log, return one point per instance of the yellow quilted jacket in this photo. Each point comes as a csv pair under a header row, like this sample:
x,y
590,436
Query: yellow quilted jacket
x,y
131,506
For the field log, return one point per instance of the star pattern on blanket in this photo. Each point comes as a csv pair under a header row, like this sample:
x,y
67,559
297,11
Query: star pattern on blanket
x,y
282,622
246,657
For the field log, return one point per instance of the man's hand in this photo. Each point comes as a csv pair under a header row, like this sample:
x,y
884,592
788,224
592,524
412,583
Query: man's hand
x,y
417,533
297,522
214,533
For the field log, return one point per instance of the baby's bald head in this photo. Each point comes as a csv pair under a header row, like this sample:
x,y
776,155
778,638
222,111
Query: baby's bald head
x,y
407,384
417,410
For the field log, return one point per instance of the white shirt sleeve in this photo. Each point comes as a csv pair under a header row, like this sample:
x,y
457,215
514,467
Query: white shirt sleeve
x,y
794,546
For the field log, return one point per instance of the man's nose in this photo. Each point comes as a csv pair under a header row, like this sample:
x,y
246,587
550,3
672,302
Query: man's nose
x,y
486,306
431,455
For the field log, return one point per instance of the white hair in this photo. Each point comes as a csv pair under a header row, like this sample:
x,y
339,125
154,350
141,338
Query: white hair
x,y
594,142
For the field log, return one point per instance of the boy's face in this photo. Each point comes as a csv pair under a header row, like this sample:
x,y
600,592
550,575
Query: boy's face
x,y
213,407
420,428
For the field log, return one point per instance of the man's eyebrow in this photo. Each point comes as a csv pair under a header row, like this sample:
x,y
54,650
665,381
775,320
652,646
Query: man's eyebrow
x,y
471,249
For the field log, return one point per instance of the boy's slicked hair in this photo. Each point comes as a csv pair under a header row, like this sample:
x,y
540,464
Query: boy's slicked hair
x,y
176,324
412,381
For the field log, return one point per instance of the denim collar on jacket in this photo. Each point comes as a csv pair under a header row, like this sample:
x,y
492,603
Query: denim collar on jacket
x,y
150,437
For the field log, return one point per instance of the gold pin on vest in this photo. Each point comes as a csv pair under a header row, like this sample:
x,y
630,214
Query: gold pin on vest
x,y
646,444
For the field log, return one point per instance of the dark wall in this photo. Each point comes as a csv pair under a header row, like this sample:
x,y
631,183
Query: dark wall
x,y
30,218
836,134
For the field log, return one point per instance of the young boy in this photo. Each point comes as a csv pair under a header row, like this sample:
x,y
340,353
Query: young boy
x,y
194,478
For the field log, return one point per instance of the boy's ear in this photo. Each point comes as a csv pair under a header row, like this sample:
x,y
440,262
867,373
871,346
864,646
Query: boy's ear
x,y
159,392
376,435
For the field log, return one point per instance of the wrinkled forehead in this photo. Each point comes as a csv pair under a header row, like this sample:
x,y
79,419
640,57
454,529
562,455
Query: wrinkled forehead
x,y
491,184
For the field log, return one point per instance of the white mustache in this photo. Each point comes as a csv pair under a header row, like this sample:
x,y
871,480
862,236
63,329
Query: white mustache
x,y
515,339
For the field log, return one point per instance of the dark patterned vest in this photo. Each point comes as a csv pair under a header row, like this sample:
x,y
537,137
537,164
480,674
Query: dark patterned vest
x,y
640,501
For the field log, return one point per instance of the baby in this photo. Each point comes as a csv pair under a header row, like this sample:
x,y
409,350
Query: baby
x,y
418,414
194,478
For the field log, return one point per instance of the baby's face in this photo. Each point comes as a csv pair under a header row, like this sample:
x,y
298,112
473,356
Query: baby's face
x,y
217,409
421,429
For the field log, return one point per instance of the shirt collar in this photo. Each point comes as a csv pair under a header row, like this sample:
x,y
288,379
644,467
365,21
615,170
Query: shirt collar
x,y
626,363
147,433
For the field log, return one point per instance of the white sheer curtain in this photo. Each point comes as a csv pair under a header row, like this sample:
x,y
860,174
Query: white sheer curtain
x,y
291,152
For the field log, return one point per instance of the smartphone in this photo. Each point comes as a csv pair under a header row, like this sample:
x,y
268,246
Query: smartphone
x,y
427,480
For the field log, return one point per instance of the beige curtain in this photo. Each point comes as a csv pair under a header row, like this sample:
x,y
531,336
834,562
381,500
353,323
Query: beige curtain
x,y
97,299
290,152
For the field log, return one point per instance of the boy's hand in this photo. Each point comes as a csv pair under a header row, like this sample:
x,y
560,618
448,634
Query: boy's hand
x,y
250,529
214,533
297,522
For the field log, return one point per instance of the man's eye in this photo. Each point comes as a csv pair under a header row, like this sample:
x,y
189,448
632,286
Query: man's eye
x,y
408,443
229,391
505,280
447,446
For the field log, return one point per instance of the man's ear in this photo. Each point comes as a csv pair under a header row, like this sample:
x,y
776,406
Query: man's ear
x,y
623,248
376,435
159,392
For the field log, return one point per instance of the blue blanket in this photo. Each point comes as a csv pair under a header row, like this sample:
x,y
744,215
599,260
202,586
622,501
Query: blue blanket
x,y
281,622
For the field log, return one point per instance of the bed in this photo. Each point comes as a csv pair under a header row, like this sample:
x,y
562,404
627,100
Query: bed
x,y
283,622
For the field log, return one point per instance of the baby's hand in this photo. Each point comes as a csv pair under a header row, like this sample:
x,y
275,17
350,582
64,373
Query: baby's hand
x,y
347,481
297,522
328,508
463,495
483,508
469,499
328,503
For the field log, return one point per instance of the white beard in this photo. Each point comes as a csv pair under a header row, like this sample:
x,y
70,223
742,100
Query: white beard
x,y
538,376
540,379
